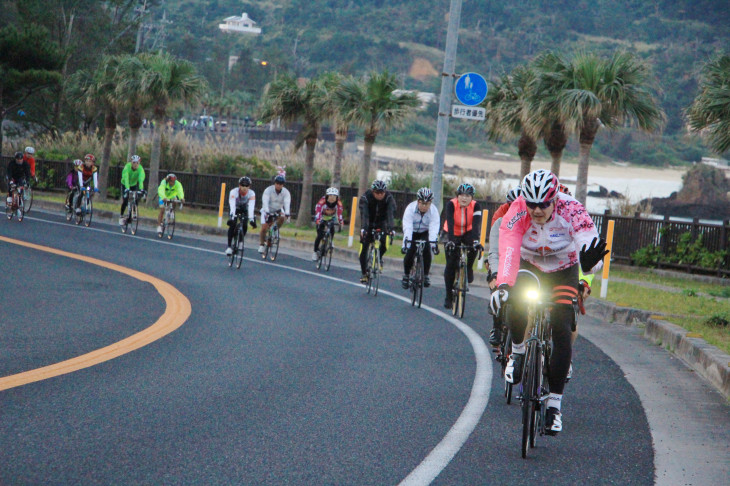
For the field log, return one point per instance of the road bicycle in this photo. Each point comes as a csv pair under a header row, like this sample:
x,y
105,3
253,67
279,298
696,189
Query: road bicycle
x,y
131,220
168,219
271,241
17,204
237,244
375,262
418,275
326,246
86,207
461,281
534,384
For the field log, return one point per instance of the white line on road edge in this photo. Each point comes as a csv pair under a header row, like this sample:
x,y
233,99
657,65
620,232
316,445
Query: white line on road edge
x,y
437,460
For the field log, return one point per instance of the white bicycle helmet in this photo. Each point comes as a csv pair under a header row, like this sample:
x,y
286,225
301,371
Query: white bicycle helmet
x,y
77,162
378,185
425,194
135,158
540,186
29,150
332,191
514,193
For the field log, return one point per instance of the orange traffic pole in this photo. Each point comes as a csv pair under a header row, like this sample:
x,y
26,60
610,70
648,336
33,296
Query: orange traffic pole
x,y
220,206
353,215
607,259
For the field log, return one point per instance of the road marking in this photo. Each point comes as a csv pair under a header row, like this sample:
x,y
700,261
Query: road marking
x,y
437,460
177,311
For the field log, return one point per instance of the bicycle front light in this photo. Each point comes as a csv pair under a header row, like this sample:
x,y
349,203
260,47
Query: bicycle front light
x,y
532,295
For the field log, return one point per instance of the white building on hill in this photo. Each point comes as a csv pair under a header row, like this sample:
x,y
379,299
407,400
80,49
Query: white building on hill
x,y
239,25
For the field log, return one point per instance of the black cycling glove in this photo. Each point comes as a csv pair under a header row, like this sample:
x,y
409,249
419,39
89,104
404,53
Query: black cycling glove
x,y
594,254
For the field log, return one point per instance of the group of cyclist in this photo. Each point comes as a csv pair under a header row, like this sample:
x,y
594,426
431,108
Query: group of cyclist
x,y
541,228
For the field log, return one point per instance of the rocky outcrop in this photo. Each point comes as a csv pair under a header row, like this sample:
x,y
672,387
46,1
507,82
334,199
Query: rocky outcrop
x,y
704,195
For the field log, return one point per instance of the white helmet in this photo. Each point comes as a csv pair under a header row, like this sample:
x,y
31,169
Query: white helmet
x,y
540,186
29,150
514,193
135,158
333,191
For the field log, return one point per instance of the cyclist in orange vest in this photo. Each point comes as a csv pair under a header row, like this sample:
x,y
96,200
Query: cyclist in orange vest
x,y
462,226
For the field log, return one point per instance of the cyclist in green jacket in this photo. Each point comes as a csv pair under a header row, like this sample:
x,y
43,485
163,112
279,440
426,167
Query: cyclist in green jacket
x,y
132,180
168,190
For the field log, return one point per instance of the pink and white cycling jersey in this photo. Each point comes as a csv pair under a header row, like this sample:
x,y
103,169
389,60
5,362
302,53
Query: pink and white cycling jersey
x,y
550,247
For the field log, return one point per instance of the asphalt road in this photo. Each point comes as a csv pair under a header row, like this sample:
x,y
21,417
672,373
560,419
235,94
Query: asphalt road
x,y
283,376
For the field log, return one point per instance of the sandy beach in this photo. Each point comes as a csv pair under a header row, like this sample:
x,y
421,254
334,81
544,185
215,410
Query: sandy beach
x,y
568,170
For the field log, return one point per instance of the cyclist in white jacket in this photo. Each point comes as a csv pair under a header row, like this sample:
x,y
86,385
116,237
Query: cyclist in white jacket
x,y
275,198
420,222
241,201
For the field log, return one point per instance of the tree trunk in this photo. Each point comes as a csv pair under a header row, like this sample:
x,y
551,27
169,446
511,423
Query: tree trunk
x,y
587,136
155,160
555,142
304,214
526,148
367,157
340,139
110,126
135,121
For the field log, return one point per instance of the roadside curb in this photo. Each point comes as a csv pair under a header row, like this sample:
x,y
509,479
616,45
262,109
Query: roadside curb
x,y
708,361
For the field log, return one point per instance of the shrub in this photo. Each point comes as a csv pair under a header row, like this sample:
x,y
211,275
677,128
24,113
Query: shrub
x,y
719,320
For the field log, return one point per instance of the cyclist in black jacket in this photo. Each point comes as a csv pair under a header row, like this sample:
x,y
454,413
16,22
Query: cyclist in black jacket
x,y
18,172
377,211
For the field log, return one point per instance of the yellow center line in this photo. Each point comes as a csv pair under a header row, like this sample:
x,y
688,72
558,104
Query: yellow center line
x,y
177,311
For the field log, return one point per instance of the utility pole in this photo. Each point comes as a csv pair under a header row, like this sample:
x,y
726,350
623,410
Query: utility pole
x,y
447,88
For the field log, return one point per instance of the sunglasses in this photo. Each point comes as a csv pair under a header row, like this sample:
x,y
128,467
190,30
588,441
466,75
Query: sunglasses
x,y
542,205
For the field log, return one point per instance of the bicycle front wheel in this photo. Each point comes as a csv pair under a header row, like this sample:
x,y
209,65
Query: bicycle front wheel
x,y
170,225
239,248
88,211
506,351
70,211
28,199
328,256
134,214
21,209
274,244
377,269
9,210
234,247
370,271
322,252
529,398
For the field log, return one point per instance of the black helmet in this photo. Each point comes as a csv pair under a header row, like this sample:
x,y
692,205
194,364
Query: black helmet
x,y
18,155
280,179
465,188
244,181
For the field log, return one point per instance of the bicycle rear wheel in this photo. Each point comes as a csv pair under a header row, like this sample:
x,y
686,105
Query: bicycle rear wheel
x,y
70,211
240,247
79,217
28,199
275,244
170,225
88,211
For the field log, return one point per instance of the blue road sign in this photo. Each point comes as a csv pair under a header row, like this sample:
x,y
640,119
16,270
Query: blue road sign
x,y
471,89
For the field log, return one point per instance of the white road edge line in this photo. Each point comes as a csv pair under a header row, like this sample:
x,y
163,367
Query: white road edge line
x,y
437,460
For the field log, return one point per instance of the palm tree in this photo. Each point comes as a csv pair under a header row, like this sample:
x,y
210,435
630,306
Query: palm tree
x,y
543,114
168,81
370,103
332,83
590,92
507,110
285,100
98,94
710,110
130,96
